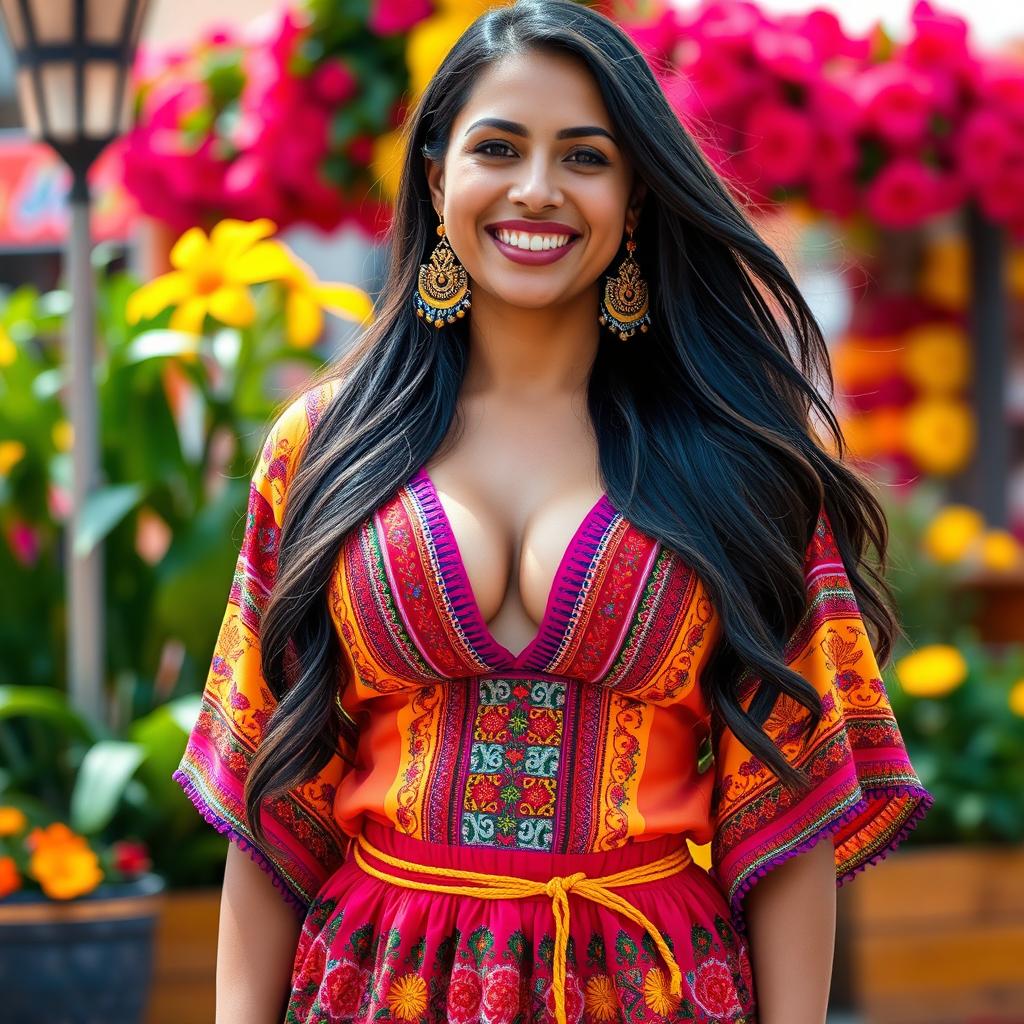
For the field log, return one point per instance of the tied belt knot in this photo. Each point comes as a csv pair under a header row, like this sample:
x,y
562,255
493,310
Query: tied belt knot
x,y
598,890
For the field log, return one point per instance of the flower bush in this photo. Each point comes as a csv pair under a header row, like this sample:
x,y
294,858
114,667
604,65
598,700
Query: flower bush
x,y
278,120
793,105
959,701
190,369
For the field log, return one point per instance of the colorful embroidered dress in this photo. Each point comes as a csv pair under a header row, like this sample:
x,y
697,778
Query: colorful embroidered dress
x,y
581,753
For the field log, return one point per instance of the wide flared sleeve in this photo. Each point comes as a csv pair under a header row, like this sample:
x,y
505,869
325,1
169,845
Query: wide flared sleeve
x,y
237,704
865,793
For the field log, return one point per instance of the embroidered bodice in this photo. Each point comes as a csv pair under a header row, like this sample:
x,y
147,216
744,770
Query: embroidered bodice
x,y
597,734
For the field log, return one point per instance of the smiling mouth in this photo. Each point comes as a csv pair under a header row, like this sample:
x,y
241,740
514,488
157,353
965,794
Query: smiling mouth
x,y
493,232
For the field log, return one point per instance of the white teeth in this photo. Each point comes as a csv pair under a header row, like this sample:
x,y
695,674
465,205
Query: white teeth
x,y
531,242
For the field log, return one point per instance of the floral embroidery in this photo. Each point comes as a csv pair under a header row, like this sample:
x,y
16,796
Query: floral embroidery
x,y
658,994
599,999
364,975
407,997
509,796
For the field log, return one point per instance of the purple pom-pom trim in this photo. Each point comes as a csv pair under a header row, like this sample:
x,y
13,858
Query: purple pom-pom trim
x,y
830,828
244,843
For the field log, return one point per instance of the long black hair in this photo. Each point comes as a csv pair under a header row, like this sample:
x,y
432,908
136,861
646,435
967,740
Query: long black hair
x,y
705,424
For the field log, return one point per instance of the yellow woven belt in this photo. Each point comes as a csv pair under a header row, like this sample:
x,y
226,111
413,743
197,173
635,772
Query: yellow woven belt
x,y
498,887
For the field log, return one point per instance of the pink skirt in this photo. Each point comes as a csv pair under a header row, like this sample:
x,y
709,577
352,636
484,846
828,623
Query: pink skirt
x,y
371,950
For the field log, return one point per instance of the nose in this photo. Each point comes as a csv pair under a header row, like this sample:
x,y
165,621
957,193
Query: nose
x,y
536,188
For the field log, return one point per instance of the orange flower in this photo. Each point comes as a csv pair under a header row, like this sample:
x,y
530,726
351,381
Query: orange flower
x,y
65,870
12,821
9,877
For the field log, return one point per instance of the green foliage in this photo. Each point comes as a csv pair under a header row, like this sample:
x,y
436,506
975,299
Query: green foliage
x,y
179,429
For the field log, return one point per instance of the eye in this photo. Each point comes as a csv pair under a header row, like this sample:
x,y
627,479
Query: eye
x,y
593,157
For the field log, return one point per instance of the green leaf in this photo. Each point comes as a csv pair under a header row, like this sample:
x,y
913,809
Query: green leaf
x,y
46,703
106,770
102,511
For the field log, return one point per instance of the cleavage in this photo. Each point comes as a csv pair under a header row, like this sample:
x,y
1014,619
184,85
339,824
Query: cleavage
x,y
511,560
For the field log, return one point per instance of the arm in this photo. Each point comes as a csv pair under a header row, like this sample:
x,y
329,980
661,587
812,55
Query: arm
x,y
256,945
791,916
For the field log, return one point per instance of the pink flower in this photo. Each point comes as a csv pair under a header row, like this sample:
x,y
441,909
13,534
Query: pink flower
x,y
710,80
988,144
785,54
23,540
465,990
1001,196
501,994
360,149
823,31
333,82
904,193
713,988
897,101
343,988
389,17
781,140
1002,83
939,41
573,999
834,194
654,38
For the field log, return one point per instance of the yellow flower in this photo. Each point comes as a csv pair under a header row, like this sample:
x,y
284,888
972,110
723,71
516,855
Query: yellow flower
x,y
8,351
9,877
428,42
12,821
307,299
937,357
945,277
952,533
940,434
1000,550
11,453
407,997
701,854
931,671
599,998
211,276
1017,698
388,157
63,435
63,863
657,993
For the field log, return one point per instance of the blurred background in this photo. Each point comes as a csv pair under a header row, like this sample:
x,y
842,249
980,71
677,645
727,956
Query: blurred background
x,y
148,152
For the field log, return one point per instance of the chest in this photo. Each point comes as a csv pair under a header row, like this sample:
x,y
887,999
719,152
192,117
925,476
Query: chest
x,y
512,546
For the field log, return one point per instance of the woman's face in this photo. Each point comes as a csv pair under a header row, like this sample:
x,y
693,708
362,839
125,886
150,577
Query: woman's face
x,y
523,171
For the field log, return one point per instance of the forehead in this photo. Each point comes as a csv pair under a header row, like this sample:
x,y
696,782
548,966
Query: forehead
x,y
543,91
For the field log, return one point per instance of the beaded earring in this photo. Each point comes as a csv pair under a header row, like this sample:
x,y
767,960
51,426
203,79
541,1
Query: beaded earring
x,y
624,308
443,293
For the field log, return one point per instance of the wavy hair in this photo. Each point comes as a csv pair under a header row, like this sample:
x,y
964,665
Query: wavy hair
x,y
704,426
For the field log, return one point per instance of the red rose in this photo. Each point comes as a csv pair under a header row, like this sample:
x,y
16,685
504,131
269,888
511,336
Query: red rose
x,y
464,993
312,970
501,994
714,988
344,987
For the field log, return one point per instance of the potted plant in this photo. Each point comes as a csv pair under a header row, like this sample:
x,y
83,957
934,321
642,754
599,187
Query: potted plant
x,y
934,935
78,901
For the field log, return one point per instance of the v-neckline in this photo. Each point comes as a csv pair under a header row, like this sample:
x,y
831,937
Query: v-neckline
x,y
562,595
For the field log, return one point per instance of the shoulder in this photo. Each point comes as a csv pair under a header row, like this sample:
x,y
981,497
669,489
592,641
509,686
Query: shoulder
x,y
288,432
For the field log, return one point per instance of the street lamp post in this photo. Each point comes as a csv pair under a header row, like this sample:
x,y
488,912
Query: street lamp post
x,y
73,59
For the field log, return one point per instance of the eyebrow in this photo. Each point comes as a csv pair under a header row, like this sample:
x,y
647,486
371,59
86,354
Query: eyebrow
x,y
515,128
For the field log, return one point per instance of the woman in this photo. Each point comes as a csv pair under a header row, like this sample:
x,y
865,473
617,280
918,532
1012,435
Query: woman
x,y
579,429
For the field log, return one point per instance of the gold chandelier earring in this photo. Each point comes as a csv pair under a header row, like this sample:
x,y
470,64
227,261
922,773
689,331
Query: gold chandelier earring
x,y
443,293
624,308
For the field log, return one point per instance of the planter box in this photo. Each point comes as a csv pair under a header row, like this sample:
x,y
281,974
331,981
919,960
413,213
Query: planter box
x,y
185,958
937,936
